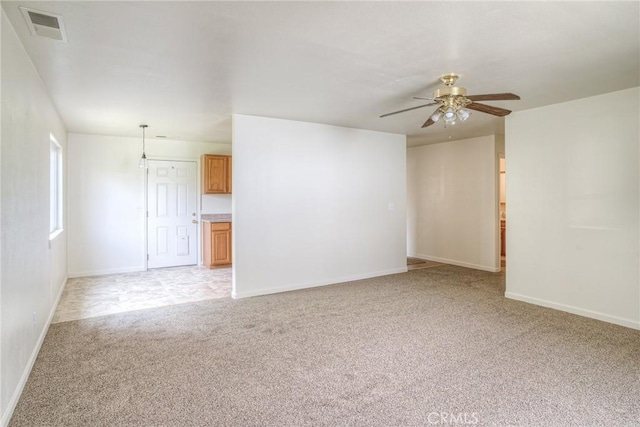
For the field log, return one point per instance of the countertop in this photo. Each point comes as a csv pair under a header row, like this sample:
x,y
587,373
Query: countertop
x,y
216,217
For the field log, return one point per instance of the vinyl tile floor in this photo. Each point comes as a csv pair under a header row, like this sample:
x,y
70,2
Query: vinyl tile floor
x,y
86,297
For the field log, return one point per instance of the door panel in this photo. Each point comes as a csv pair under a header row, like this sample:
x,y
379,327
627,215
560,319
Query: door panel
x,y
172,221
162,200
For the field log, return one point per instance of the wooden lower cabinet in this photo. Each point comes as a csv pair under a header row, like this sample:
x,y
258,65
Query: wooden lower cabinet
x,y
216,241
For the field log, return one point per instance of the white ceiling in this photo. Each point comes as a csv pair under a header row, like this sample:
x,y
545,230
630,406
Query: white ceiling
x,y
184,67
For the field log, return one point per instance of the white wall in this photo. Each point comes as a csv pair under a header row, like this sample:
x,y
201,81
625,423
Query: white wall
x,y
311,204
573,215
32,271
107,199
452,199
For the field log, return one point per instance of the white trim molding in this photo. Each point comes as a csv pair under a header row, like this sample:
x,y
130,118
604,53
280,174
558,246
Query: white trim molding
x,y
629,323
11,406
458,263
236,295
107,271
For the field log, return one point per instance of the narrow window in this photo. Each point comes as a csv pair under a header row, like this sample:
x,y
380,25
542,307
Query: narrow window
x,y
55,188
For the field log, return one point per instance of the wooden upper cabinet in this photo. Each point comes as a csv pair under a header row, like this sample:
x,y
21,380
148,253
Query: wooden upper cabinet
x,y
216,174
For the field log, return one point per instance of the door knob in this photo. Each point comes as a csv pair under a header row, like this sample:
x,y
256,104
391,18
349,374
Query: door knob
x,y
195,221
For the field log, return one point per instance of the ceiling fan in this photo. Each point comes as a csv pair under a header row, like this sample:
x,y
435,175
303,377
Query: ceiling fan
x,y
455,104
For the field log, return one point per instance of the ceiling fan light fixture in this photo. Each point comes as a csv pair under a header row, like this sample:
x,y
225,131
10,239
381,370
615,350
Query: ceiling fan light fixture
x,y
463,114
436,116
450,115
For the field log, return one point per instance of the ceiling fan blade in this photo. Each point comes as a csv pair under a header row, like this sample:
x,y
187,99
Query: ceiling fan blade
x,y
408,109
421,97
429,122
494,97
501,112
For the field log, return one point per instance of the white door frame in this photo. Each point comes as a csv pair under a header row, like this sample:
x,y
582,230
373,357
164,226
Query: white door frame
x,y
500,155
198,204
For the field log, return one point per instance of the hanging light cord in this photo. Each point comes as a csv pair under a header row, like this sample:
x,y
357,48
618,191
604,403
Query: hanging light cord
x,y
143,160
143,129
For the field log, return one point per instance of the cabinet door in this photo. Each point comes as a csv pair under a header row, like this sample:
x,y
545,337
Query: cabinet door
x,y
221,244
216,173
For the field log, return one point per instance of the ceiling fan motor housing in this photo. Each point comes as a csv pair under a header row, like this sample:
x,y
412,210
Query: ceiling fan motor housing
x,y
449,91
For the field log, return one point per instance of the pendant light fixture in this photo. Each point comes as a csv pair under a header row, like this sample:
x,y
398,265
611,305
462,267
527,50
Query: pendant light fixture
x,y
143,160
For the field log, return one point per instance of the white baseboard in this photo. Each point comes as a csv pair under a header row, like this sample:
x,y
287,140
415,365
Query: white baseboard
x,y
236,295
89,273
11,406
455,262
629,323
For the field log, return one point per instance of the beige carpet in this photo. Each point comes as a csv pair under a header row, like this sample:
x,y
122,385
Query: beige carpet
x,y
406,349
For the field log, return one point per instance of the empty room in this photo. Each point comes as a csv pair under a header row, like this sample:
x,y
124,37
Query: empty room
x,y
319,213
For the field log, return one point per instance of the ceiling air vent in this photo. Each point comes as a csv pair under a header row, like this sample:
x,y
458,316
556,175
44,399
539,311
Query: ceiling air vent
x,y
44,24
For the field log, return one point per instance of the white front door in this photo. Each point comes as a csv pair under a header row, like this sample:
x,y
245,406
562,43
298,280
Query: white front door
x,y
172,226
